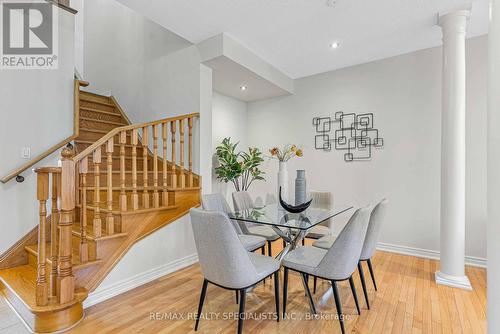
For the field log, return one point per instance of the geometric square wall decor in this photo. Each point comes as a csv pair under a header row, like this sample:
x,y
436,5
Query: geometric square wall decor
x,y
353,133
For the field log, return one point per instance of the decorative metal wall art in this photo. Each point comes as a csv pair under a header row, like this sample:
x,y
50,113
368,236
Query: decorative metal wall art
x,y
348,132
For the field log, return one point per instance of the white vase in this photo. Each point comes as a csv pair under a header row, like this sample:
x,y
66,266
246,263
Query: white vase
x,y
283,181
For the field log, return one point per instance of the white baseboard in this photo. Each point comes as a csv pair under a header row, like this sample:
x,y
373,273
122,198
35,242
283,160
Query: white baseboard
x,y
428,254
138,280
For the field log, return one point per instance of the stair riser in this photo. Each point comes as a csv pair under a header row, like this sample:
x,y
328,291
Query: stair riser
x,y
33,260
116,219
94,97
98,125
128,179
102,116
98,106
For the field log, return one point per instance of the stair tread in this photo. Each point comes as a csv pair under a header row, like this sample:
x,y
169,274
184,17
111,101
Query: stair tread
x,y
21,280
101,111
103,121
75,259
90,100
90,233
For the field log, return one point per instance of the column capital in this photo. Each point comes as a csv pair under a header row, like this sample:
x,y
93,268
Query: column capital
x,y
455,21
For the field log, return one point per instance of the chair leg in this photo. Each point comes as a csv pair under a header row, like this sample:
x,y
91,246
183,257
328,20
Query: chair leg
x,y
263,250
338,305
200,305
285,291
269,251
241,315
304,242
363,283
236,296
277,294
308,292
315,282
355,295
284,244
371,273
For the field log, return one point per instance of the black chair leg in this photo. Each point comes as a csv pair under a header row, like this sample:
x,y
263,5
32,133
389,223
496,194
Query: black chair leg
x,y
200,305
308,292
338,305
355,295
363,283
236,296
371,273
284,244
315,282
277,294
285,290
304,242
241,315
269,251
263,250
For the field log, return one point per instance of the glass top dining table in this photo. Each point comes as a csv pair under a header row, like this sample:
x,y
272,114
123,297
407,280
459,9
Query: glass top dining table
x,y
275,216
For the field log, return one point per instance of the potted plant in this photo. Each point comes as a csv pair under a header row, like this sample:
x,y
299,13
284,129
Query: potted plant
x,y
241,168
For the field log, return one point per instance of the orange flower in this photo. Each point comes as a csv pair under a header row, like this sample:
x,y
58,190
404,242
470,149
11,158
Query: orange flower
x,y
299,153
274,151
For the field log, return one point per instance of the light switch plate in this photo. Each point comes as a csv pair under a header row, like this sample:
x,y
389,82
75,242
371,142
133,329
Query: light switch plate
x,y
26,152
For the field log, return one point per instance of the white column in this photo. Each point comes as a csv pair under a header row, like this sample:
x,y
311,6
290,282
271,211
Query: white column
x,y
494,170
452,266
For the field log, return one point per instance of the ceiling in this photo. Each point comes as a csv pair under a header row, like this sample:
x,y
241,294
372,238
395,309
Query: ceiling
x,y
294,35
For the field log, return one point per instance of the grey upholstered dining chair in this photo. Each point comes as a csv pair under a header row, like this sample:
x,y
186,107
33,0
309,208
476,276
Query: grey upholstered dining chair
x,y
370,244
320,200
225,262
242,201
336,264
216,202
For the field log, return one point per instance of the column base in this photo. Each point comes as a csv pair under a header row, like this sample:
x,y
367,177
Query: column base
x,y
461,282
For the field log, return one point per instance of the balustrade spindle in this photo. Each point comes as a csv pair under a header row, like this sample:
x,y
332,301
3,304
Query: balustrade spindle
x,y
135,196
123,194
84,249
54,221
173,126
182,179
97,192
66,280
165,169
41,280
190,150
145,143
156,195
110,224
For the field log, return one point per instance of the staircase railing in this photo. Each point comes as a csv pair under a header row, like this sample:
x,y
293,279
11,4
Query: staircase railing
x,y
69,189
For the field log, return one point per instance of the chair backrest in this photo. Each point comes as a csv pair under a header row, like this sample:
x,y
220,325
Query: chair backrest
x,y
242,201
271,199
372,234
322,200
217,202
223,259
342,258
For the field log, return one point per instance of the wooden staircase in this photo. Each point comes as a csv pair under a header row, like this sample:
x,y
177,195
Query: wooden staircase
x,y
113,188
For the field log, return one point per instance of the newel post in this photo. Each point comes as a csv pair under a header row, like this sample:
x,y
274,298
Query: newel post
x,y
66,280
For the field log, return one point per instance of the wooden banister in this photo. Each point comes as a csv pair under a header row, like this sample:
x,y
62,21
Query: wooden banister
x,y
115,131
52,149
41,280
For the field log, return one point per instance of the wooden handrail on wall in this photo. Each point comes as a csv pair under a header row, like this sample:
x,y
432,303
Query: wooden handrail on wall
x,y
49,151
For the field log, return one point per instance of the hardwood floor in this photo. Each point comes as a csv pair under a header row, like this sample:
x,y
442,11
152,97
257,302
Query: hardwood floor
x,y
407,301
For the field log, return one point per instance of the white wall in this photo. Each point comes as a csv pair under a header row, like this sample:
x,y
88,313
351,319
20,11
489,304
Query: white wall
x,y
404,93
135,60
36,108
229,120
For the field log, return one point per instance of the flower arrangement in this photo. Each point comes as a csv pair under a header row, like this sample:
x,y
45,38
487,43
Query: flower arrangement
x,y
240,168
286,153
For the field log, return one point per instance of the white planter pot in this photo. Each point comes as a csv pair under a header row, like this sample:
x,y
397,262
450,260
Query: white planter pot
x,y
283,181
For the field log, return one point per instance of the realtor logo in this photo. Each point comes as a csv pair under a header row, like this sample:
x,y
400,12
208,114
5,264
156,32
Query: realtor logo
x,y
29,36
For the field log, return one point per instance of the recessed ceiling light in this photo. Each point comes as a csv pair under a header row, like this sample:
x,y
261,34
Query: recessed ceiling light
x,y
331,3
335,45
242,88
